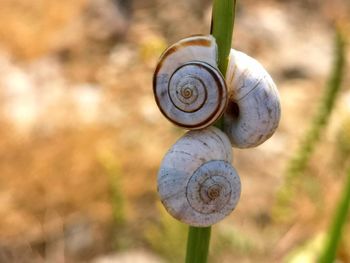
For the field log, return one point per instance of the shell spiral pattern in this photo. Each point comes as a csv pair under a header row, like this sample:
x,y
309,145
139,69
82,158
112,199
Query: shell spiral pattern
x,y
196,182
189,89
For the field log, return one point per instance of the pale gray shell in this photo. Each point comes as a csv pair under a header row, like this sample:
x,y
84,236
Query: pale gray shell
x,y
189,89
253,111
196,182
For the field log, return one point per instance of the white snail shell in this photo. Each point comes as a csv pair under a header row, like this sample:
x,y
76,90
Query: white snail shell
x,y
189,89
253,111
196,182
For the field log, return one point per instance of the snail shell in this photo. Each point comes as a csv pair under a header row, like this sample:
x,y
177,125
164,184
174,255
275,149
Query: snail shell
x,y
253,111
189,89
196,182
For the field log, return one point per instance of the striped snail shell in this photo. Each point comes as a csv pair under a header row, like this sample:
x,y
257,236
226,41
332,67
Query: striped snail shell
x,y
196,182
253,111
189,89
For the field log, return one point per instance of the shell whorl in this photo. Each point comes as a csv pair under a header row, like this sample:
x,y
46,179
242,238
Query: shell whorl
x,y
196,182
253,111
189,89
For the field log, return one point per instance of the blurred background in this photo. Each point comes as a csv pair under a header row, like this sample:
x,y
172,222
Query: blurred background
x,y
81,138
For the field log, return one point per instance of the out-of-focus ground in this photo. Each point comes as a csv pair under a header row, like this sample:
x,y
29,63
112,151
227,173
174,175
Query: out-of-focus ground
x,y
82,138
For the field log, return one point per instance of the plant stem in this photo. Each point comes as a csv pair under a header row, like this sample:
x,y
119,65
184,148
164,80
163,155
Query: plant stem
x,y
298,164
198,244
339,220
299,161
222,23
221,28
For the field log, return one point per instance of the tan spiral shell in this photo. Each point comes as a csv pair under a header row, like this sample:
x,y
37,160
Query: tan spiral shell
x,y
253,111
196,182
189,89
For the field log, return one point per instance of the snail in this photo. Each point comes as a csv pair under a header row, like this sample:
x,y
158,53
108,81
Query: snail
x,y
188,87
196,181
191,92
253,111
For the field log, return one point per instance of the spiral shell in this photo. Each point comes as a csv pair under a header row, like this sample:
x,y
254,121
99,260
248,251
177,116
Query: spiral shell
x,y
189,89
196,182
253,111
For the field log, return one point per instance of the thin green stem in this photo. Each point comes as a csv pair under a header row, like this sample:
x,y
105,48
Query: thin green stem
x,y
198,244
299,161
223,18
298,164
221,28
335,232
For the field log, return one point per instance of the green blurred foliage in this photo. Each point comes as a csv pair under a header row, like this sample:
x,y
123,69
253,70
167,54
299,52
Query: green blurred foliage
x,y
308,252
337,226
343,141
167,237
295,176
111,168
229,239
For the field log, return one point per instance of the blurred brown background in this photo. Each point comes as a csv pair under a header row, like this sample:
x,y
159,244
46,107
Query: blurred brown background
x,y
82,138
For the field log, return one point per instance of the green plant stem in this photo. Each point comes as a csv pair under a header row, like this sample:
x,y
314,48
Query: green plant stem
x,y
221,28
198,244
223,18
298,164
337,225
299,161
